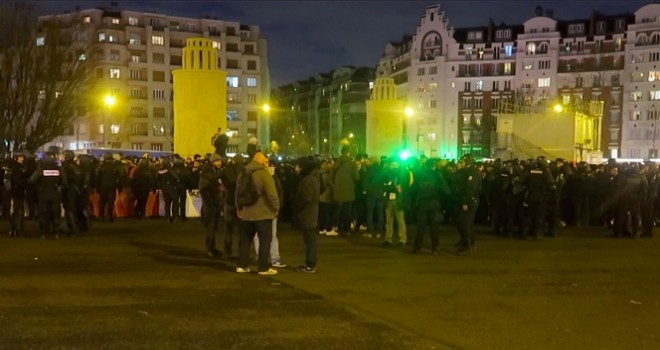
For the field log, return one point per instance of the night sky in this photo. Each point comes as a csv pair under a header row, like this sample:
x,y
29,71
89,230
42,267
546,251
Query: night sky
x,y
309,37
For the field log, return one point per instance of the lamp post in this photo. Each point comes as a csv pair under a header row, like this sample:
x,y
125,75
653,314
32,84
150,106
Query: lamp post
x,y
408,113
109,101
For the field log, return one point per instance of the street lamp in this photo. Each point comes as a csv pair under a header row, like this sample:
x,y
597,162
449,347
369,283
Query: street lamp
x,y
408,113
109,101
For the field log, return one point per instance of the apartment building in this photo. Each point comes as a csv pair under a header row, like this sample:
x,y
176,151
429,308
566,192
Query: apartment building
x,y
136,53
323,110
459,79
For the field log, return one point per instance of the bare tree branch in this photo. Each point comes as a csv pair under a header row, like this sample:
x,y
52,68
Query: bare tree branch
x,y
44,76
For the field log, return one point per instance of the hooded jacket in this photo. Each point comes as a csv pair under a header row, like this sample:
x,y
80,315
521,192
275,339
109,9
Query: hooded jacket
x,y
268,203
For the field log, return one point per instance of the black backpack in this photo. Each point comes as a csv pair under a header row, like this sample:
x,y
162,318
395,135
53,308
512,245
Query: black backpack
x,y
246,194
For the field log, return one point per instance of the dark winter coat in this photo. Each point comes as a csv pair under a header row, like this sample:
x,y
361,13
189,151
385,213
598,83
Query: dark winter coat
x,y
306,201
346,175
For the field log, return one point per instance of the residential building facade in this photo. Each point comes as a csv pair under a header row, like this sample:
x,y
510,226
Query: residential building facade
x,y
136,54
316,115
459,79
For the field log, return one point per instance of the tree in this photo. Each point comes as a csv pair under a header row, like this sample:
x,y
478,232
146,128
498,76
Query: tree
x,y
44,76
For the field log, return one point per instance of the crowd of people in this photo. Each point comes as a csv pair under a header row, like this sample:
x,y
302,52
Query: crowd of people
x,y
244,197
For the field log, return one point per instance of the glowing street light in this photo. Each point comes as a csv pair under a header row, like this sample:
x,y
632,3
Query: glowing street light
x,y
265,108
558,108
109,101
408,112
350,136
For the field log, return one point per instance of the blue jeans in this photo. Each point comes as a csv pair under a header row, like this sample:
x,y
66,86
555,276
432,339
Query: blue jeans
x,y
309,237
375,206
264,229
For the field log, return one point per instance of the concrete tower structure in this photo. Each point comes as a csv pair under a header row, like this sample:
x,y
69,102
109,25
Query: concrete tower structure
x,y
385,120
200,98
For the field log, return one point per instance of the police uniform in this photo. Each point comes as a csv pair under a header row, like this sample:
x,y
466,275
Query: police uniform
x,y
71,192
49,179
468,188
539,184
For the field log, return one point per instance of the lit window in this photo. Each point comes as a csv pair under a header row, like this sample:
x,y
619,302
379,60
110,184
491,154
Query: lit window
x,y
159,130
115,73
41,41
82,57
101,37
233,115
157,40
134,39
232,81
87,19
508,50
251,82
528,66
654,75
115,21
114,129
531,48
544,82
654,95
480,85
158,94
132,21
217,45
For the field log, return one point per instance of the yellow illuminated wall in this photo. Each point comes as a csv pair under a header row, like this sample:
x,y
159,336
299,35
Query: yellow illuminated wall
x,y
384,120
200,98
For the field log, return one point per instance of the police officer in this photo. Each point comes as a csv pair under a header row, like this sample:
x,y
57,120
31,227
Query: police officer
x,y
554,196
468,189
429,187
16,177
182,185
209,188
168,183
71,192
108,178
538,183
501,194
49,179
631,188
649,199
144,181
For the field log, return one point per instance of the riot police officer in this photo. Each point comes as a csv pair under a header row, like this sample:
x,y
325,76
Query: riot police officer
x,y
168,182
429,188
71,192
468,189
16,177
49,179
108,179
631,188
539,183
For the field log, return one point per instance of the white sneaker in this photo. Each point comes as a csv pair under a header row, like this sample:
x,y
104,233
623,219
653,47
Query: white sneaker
x,y
268,272
279,263
242,270
332,233
363,228
323,232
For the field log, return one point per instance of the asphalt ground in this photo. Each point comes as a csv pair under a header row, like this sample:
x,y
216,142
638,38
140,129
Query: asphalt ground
x,y
149,285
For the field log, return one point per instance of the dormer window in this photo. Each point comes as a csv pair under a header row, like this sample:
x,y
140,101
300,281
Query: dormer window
x,y
577,28
503,34
474,36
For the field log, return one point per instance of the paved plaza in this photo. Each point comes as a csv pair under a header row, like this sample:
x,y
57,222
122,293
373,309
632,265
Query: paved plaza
x,y
149,285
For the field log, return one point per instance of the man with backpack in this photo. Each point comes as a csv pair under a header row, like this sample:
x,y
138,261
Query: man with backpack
x,y
257,204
